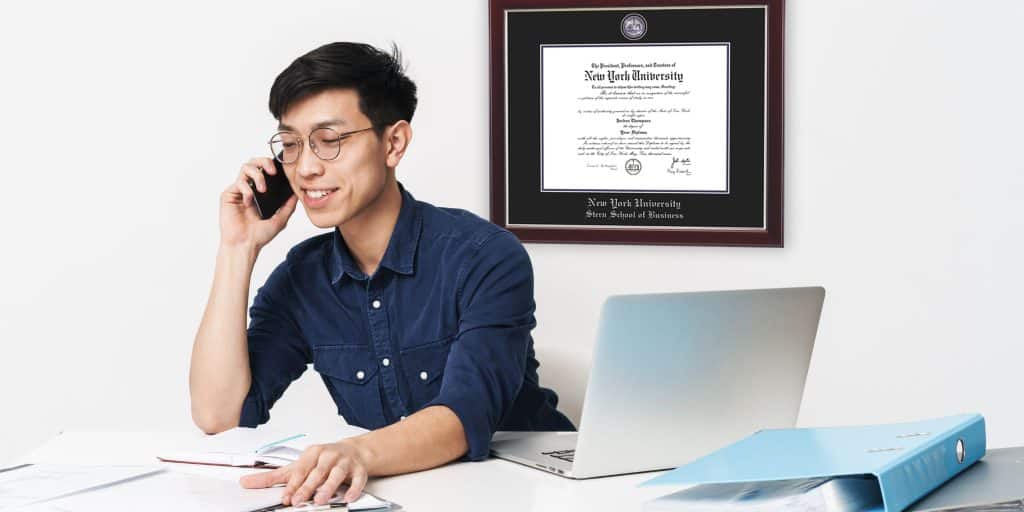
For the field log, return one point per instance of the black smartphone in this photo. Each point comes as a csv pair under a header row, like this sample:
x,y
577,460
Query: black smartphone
x,y
278,191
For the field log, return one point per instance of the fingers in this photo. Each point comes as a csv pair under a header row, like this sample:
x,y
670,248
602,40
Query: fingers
x,y
330,462
308,487
299,472
245,198
231,195
295,480
254,174
264,479
266,163
242,188
330,486
318,474
355,489
253,170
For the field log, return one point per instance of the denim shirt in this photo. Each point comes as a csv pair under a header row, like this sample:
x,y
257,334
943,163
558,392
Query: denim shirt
x,y
445,320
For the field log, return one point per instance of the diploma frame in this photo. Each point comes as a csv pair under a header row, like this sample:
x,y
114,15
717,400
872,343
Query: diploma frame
x,y
745,208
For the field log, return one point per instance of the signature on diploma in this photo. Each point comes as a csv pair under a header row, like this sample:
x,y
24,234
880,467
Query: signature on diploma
x,y
609,166
680,166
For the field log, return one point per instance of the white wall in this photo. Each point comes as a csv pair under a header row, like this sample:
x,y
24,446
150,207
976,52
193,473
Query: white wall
x,y
122,123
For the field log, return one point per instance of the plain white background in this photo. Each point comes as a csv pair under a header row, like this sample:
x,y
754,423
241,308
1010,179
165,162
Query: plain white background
x,y
123,122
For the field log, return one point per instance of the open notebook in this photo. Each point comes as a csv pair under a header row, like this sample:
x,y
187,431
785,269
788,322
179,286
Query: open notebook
x,y
257,448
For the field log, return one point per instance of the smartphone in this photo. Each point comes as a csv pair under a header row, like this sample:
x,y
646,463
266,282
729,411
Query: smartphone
x,y
278,191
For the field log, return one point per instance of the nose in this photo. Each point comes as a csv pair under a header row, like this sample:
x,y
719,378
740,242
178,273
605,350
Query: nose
x,y
308,164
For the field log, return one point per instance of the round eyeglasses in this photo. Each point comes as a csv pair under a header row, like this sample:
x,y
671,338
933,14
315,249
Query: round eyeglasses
x,y
325,143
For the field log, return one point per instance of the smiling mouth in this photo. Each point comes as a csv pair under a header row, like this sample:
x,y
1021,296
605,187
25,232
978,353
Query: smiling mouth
x,y
318,193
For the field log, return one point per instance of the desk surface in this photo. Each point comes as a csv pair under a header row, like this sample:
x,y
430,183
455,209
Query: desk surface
x,y
492,485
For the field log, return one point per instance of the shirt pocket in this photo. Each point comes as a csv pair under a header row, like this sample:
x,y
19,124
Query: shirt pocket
x,y
350,373
424,366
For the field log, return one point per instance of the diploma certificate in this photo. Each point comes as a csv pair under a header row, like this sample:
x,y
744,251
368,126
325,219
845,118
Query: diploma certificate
x,y
638,118
638,121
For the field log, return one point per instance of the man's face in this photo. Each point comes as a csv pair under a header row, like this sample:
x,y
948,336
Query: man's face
x,y
353,180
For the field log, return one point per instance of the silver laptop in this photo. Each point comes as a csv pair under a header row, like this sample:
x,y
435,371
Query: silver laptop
x,y
676,376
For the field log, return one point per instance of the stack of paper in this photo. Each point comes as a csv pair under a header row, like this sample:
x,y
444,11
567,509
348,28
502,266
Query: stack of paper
x,y
99,482
851,494
34,483
166,491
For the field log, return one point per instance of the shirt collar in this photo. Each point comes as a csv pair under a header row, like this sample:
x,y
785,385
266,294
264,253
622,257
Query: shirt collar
x,y
400,256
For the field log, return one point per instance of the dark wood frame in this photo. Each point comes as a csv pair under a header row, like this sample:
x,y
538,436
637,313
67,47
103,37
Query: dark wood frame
x,y
769,237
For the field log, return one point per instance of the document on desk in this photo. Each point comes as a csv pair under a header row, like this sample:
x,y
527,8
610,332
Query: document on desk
x,y
166,491
169,491
34,483
255,447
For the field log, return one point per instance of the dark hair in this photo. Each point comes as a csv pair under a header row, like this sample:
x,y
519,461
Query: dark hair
x,y
386,95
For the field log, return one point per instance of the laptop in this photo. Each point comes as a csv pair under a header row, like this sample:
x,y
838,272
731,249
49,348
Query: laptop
x,y
676,376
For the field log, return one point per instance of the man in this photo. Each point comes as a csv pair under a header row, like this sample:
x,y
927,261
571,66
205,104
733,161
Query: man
x,y
418,318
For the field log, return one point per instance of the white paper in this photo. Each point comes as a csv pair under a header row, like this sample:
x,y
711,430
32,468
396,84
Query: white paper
x,y
166,491
39,482
635,117
365,502
242,446
849,494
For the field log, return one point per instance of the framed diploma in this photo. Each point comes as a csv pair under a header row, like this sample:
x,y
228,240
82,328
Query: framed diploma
x,y
637,121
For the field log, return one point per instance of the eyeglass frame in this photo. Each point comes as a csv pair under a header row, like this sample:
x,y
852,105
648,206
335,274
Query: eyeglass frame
x,y
307,141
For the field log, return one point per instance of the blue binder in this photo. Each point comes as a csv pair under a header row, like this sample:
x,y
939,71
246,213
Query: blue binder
x,y
907,460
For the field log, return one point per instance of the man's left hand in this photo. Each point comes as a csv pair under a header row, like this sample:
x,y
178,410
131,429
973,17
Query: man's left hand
x,y
318,473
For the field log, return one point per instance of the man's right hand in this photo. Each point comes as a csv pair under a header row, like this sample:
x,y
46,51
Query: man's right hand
x,y
240,223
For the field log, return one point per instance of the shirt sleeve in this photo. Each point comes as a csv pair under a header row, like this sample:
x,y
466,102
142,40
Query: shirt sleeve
x,y
487,361
277,352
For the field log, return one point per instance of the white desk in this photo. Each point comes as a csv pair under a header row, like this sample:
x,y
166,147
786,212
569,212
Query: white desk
x,y
492,485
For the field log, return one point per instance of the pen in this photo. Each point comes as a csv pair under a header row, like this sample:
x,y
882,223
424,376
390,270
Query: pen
x,y
310,506
303,508
276,506
279,441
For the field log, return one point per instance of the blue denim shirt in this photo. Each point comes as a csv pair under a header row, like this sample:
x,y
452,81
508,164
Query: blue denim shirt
x,y
445,320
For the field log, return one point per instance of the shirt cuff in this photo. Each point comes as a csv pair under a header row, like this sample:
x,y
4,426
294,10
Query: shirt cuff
x,y
254,410
474,424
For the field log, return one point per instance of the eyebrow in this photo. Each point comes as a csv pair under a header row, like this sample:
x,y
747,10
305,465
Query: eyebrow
x,y
321,124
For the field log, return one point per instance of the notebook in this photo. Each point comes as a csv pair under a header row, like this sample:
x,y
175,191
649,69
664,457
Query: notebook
x,y
257,448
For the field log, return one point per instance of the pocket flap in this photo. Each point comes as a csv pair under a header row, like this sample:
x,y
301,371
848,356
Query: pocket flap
x,y
347,363
426,363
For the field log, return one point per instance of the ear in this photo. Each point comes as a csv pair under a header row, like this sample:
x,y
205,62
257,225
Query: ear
x,y
396,140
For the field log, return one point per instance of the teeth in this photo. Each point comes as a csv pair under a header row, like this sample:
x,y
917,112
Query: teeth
x,y
316,194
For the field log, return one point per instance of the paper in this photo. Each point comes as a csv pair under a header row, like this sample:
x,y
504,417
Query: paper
x,y
850,494
166,491
170,491
247,447
40,482
634,117
365,502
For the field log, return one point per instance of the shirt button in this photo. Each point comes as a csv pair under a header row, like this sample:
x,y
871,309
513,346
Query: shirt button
x,y
360,375
423,375
375,304
402,418
385,362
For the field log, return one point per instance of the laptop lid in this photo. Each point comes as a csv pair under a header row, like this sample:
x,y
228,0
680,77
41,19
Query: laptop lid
x,y
676,376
